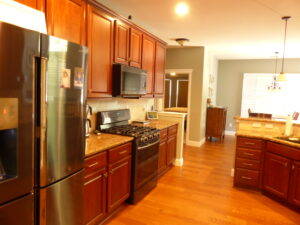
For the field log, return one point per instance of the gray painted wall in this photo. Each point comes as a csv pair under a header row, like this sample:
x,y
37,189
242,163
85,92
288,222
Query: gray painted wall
x,y
191,58
230,81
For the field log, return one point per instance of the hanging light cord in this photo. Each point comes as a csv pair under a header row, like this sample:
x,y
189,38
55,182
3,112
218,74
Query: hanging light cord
x,y
286,19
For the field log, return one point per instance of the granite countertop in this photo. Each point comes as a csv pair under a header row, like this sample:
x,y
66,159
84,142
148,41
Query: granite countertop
x,y
159,124
273,120
267,137
98,143
177,109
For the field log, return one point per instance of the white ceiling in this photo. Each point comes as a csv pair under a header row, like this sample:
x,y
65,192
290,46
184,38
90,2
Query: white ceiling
x,y
228,28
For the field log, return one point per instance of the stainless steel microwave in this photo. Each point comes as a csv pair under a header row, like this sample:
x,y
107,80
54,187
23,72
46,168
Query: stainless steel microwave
x,y
128,81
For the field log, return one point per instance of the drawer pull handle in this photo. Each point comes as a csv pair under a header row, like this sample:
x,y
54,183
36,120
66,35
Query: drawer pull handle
x,y
118,167
94,164
96,178
123,152
246,178
248,164
250,154
249,143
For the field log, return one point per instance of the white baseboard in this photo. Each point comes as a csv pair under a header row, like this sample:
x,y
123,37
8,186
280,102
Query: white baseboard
x,y
229,132
202,141
195,143
178,162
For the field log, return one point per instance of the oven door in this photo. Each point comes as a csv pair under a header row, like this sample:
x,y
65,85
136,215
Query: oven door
x,y
146,164
18,50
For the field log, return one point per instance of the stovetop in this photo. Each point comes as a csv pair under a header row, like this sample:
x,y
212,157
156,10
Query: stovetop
x,y
142,135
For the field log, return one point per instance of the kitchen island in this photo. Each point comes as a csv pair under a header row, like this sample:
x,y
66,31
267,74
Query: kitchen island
x,y
268,161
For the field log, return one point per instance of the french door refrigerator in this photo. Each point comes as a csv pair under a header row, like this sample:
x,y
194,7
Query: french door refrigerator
x,y
42,128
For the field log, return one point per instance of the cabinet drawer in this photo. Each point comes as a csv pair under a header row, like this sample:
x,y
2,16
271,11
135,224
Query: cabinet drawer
x,y
95,162
172,130
163,134
247,177
119,152
247,164
248,153
249,143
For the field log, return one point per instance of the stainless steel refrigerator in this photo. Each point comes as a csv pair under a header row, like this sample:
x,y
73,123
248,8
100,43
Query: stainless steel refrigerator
x,y
42,128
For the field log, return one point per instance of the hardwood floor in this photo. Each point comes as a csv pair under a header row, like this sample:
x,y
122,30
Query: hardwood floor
x,y
201,192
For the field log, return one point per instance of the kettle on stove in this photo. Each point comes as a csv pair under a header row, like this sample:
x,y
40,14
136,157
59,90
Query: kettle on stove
x,y
88,124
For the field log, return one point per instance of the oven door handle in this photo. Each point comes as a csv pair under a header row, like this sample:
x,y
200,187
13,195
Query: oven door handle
x,y
147,146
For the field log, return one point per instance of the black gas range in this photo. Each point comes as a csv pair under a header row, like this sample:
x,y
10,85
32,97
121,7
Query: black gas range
x,y
144,153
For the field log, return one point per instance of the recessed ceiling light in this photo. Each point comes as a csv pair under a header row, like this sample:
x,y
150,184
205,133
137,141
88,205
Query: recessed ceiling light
x,y
182,9
173,74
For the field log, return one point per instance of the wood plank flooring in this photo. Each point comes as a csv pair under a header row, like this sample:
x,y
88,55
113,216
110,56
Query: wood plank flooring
x,y
201,192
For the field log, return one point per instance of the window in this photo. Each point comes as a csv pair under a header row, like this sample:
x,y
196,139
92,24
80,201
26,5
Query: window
x,y
258,98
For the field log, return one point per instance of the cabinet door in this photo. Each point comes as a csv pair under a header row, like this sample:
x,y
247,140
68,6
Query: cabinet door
x,y
100,40
95,197
36,4
121,42
159,78
276,175
148,58
162,158
295,184
171,150
66,19
135,48
118,183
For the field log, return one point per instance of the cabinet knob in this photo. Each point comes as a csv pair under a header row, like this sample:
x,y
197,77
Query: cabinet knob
x,y
293,167
105,175
286,164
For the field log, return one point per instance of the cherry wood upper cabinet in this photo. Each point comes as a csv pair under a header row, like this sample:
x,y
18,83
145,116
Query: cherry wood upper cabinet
x,y
135,48
159,78
66,19
100,43
148,60
276,175
36,4
294,196
121,42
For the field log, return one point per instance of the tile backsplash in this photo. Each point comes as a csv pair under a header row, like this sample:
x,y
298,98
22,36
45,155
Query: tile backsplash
x,y
138,107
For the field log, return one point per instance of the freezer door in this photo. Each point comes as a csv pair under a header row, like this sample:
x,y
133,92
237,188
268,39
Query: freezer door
x,y
18,51
62,203
63,99
18,212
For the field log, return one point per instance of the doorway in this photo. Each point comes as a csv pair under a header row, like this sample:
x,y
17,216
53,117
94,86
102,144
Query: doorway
x,y
176,92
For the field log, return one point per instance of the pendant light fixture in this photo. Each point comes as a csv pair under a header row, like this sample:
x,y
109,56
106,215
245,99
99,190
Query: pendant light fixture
x,y
281,76
274,86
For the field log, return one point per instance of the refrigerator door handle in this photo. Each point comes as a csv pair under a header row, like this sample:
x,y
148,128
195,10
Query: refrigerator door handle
x,y
43,123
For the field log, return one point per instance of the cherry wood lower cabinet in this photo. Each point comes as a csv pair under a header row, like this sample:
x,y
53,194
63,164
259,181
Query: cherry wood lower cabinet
x,y
276,174
282,172
106,183
118,183
248,162
294,196
167,149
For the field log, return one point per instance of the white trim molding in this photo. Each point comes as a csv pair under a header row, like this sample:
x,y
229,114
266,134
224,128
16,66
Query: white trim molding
x,y
178,162
195,143
189,72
